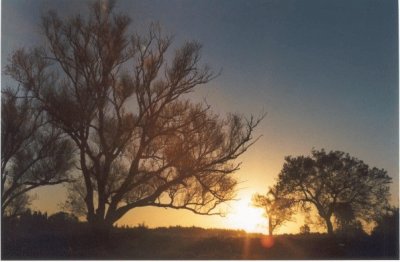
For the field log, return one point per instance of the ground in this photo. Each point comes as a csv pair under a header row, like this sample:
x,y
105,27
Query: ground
x,y
76,242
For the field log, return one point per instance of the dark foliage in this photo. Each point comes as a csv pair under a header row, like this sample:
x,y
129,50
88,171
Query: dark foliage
x,y
72,240
335,185
33,153
387,230
277,208
140,141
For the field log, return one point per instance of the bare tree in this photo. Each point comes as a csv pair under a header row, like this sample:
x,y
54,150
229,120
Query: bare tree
x,y
33,154
140,142
278,209
330,181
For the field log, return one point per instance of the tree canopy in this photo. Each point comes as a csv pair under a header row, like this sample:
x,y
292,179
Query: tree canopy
x,y
121,101
278,209
33,153
335,183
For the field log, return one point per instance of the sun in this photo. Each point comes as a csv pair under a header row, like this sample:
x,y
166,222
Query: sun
x,y
247,217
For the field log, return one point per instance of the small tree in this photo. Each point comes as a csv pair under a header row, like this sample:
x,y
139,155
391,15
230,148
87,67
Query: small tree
x,y
62,219
278,209
386,232
33,154
330,181
140,142
305,229
387,223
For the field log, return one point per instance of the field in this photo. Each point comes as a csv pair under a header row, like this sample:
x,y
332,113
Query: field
x,y
76,242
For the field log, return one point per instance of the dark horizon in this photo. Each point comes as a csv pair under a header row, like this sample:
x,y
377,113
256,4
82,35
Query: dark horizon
x,y
325,72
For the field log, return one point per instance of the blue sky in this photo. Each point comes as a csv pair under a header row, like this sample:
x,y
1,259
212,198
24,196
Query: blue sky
x,y
326,72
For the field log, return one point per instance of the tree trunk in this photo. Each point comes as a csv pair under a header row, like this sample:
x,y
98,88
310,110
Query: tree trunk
x,y
329,225
100,228
3,211
270,227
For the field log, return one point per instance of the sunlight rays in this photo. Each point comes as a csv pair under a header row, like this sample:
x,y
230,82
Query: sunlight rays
x,y
245,216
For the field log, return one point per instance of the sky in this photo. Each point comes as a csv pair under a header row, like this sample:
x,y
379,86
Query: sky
x,y
325,72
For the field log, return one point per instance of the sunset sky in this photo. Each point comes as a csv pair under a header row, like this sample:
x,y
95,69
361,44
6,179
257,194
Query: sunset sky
x,y
325,72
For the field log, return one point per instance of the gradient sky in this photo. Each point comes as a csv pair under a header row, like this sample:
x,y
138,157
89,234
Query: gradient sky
x,y
325,72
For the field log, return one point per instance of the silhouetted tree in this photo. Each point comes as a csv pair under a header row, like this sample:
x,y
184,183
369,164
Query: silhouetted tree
x,y
33,154
329,181
18,205
346,221
386,232
32,221
140,142
278,209
305,229
344,214
388,222
62,218
76,193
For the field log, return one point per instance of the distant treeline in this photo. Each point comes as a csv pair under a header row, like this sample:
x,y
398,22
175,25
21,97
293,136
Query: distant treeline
x,y
36,235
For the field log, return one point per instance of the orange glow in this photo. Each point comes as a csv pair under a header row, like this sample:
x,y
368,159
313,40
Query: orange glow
x,y
267,241
245,216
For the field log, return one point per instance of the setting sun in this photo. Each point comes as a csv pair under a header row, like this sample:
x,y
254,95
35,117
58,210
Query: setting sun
x,y
200,130
245,216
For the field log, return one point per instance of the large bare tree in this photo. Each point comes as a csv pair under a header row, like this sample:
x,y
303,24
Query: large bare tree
x,y
332,181
33,154
140,141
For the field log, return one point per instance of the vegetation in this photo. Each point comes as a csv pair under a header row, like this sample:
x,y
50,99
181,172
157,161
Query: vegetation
x,y
387,222
305,229
278,208
139,142
72,240
33,153
335,184
109,114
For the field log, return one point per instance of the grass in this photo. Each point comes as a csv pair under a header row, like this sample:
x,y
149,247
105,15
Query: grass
x,y
76,241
